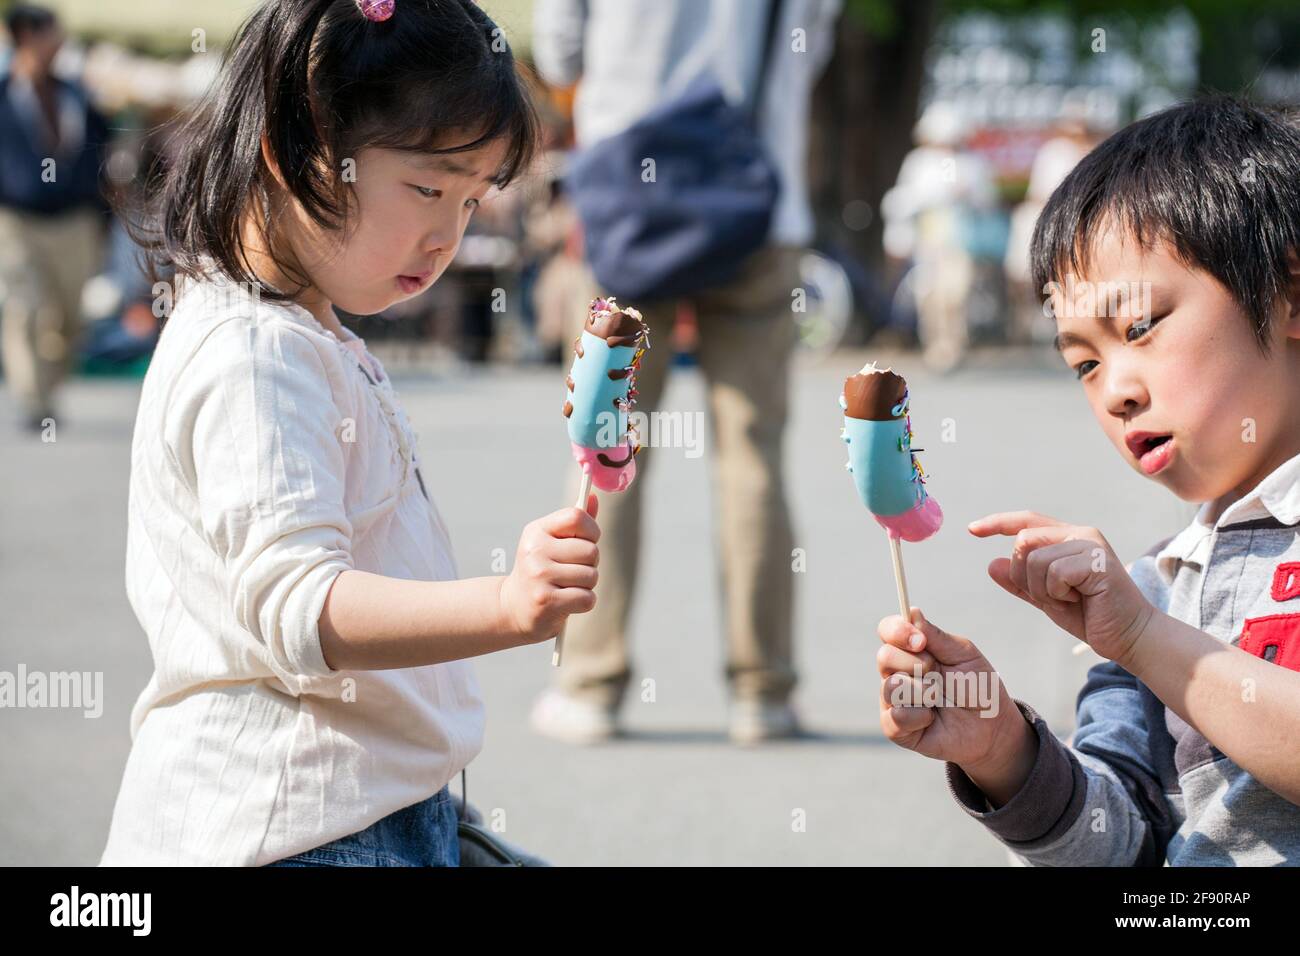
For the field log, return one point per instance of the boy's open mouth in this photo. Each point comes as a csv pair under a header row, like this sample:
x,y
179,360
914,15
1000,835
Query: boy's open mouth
x,y
1152,450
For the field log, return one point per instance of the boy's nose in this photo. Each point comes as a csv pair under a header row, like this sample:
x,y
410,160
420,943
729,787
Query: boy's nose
x,y
1125,393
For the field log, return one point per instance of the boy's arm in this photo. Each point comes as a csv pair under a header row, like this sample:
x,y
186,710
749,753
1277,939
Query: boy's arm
x,y
1097,803
1101,801
1247,707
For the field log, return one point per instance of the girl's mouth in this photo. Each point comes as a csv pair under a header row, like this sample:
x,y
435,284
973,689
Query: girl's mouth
x,y
412,284
1155,453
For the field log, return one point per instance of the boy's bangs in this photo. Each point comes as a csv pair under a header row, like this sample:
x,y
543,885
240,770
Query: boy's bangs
x,y
1217,179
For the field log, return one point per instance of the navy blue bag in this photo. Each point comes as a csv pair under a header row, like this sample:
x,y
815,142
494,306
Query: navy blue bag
x,y
710,204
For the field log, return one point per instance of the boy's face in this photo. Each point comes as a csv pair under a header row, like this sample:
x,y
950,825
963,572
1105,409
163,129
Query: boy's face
x,y
409,213
1194,374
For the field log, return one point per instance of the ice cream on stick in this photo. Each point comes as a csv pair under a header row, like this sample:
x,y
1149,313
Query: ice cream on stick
x,y
885,469
601,390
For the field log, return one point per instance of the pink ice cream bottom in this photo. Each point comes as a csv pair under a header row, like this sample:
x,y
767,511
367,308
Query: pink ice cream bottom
x,y
606,477
915,524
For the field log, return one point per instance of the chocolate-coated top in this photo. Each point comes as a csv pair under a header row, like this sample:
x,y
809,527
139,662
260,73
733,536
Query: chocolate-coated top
x,y
616,326
871,394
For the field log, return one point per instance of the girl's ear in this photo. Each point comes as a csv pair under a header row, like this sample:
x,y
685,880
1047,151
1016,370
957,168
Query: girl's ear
x,y
270,162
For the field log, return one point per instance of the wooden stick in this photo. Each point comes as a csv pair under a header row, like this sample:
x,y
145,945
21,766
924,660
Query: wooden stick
x,y
583,491
900,579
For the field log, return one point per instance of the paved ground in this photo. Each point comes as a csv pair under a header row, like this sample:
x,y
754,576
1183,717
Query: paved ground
x,y
674,792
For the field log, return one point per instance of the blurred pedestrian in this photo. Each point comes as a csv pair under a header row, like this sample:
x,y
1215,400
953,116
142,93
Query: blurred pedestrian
x,y
933,217
1073,139
638,59
53,214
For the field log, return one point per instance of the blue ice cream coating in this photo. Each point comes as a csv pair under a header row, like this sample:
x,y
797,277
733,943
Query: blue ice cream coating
x,y
880,460
596,422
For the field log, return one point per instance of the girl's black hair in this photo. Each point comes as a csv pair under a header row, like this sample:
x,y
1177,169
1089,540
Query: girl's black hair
x,y
1216,178
322,82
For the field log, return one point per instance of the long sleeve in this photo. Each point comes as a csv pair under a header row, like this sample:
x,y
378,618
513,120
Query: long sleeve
x,y
252,425
1100,801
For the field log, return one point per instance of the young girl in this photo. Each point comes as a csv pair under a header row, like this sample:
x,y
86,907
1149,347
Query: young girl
x,y
311,699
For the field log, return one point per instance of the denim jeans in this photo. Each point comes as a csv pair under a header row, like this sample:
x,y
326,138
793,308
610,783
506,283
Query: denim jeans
x,y
423,834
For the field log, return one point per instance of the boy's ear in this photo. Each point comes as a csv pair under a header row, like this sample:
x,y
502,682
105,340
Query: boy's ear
x,y
1292,326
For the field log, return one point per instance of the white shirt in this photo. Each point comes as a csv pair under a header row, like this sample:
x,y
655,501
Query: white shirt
x,y
1277,496
264,462
633,55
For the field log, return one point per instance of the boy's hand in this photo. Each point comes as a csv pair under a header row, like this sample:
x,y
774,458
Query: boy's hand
x,y
1072,575
554,573
986,735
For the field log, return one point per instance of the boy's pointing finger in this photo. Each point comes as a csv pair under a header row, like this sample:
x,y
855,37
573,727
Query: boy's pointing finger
x,y
1011,522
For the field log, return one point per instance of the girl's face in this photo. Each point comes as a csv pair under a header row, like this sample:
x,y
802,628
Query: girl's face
x,y
1163,349
409,212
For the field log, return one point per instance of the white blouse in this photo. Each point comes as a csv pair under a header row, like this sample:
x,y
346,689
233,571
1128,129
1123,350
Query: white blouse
x,y
269,456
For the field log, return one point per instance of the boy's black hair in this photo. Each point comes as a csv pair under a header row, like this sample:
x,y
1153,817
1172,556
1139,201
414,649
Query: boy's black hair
x,y
1217,178
321,81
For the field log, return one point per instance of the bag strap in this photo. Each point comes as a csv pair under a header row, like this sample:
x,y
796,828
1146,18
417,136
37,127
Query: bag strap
x,y
463,816
764,59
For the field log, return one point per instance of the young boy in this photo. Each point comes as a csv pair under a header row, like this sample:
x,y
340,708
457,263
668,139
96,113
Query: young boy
x,y
1169,259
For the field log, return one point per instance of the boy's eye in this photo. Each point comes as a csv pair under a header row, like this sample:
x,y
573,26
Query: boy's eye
x,y
428,192
1141,327
1082,369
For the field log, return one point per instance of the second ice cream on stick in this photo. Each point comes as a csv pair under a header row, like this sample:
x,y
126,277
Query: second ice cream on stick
x,y
600,390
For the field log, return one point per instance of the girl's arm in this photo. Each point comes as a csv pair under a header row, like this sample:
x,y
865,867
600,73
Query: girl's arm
x,y
372,622
1247,707
252,427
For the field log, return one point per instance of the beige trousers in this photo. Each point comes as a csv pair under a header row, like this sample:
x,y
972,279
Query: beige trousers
x,y
44,262
747,338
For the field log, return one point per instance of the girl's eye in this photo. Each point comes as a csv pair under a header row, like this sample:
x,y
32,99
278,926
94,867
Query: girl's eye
x,y
1082,369
428,192
471,203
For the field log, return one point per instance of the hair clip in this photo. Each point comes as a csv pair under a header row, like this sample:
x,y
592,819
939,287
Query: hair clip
x,y
377,10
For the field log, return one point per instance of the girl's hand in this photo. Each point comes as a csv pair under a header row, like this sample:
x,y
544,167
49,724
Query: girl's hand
x,y
554,573
975,723
1072,575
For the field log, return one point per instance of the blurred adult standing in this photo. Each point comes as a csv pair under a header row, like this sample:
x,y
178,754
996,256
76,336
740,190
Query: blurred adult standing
x,y
1074,138
630,58
53,214
933,215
